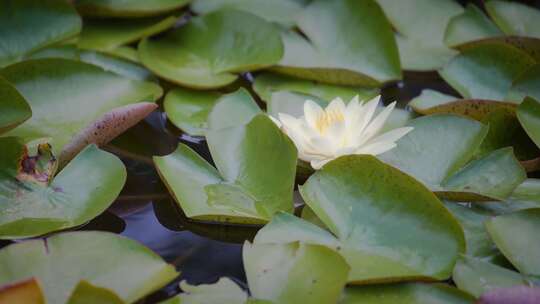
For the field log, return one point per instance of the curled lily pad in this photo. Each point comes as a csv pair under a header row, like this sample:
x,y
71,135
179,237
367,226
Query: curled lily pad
x,y
476,276
366,204
471,25
257,165
526,85
29,25
523,251
279,11
110,34
437,151
267,83
24,292
515,18
419,36
68,97
135,8
295,272
13,107
409,293
35,201
486,71
336,51
208,51
104,259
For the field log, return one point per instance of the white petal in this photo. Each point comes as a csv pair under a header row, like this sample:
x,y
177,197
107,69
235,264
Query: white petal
x,y
312,111
337,105
376,148
392,136
376,125
368,110
275,121
317,164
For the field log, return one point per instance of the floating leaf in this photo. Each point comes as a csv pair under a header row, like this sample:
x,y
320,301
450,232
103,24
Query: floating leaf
x,y
471,25
206,52
366,204
526,85
23,292
13,107
516,236
420,36
336,51
515,18
477,277
67,97
104,259
257,165
294,273
135,8
86,293
267,83
525,196
111,34
486,71
29,25
223,291
36,202
279,11
511,295
437,151
232,110
409,293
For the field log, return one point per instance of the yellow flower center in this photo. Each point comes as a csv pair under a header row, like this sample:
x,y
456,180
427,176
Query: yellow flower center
x,y
328,118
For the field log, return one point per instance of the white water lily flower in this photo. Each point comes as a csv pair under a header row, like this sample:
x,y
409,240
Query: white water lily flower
x,y
322,135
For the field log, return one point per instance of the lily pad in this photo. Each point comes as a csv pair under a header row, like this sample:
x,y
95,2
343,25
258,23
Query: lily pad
x,y
419,37
268,83
516,236
135,8
257,165
24,292
103,259
409,293
110,34
29,25
336,51
515,18
366,204
207,51
477,277
294,273
486,71
86,293
13,107
68,97
471,25
517,294
437,152
279,11
526,85
35,201
234,109
525,196
223,291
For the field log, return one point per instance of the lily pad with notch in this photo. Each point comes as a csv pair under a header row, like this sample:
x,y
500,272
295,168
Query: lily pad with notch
x,y
38,201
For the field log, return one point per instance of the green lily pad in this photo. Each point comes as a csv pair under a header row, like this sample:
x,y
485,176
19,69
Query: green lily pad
x,y
528,114
516,236
515,18
419,37
110,34
24,292
336,51
257,165
68,96
294,273
223,291
476,277
471,25
365,204
29,25
208,51
526,85
430,99
231,110
268,83
486,71
87,293
525,196
409,293
134,8
36,202
437,151
13,107
103,259
279,11
479,244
